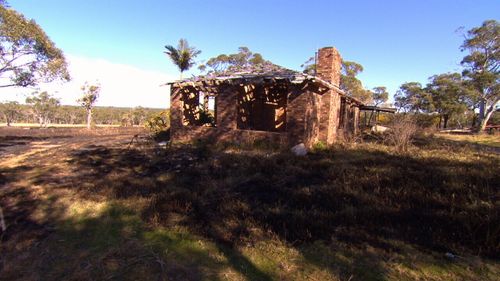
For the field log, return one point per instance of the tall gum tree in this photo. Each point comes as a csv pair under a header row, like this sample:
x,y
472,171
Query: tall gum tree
x,y
349,81
88,100
27,55
43,106
482,67
448,96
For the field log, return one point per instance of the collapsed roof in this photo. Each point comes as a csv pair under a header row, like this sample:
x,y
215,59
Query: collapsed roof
x,y
207,83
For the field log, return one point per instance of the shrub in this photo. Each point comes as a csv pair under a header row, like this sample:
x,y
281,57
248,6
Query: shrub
x,y
427,120
159,124
206,118
402,131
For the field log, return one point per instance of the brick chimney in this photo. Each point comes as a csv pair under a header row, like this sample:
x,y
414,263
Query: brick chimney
x,y
328,65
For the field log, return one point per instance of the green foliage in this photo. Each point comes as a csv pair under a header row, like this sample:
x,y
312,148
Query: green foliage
x,y
89,98
379,95
351,84
411,97
319,146
27,54
10,111
206,117
309,66
43,106
69,114
482,67
182,56
159,122
159,125
448,95
90,95
243,61
427,121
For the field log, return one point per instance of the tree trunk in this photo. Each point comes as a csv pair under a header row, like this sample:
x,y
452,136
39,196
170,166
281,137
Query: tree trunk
x,y
485,114
89,118
7,120
484,121
474,119
445,121
370,119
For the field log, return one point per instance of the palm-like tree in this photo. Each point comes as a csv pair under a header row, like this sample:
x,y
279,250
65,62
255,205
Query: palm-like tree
x,y
182,56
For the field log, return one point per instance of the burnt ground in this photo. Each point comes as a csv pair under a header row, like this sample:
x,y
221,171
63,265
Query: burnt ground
x,y
367,202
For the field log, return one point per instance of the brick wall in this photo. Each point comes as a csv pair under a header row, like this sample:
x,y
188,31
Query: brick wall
x,y
328,65
328,68
310,116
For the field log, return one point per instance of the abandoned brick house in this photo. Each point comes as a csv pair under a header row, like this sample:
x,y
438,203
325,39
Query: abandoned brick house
x,y
284,106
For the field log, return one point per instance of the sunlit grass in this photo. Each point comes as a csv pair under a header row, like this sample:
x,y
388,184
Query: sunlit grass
x,y
482,139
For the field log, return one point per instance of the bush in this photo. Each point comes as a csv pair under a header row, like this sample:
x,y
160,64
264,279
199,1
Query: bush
x,y
159,124
402,131
427,120
206,118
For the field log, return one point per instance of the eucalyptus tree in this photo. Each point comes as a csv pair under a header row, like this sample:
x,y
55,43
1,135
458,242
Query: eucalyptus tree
x,y
27,55
243,61
350,83
482,67
43,106
449,95
379,96
412,97
88,100
10,111
183,55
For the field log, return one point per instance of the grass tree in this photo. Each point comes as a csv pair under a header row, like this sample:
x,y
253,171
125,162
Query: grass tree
x,y
182,56
88,100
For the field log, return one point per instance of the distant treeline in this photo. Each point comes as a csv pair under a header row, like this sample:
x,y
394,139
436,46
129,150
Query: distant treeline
x,y
69,114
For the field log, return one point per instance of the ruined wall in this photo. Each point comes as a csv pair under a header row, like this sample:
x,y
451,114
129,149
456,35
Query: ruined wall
x,y
275,111
262,107
328,68
176,112
329,65
226,104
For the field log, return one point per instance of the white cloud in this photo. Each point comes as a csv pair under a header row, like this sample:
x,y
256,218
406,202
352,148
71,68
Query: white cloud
x,y
121,85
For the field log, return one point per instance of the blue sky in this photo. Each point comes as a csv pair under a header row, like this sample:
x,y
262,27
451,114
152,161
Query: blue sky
x,y
395,41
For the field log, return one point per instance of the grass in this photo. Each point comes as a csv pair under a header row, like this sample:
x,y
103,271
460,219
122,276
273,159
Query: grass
x,y
492,140
222,212
35,125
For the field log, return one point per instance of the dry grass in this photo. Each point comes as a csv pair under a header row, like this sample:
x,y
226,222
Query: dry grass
x,y
93,209
35,125
492,140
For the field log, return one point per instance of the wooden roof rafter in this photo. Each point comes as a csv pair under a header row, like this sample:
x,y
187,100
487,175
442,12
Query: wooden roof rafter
x,y
210,84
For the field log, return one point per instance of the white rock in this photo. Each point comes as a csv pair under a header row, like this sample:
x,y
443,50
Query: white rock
x,y
299,150
379,129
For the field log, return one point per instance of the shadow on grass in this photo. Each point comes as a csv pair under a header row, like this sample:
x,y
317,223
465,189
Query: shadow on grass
x,y
361,197
113,243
